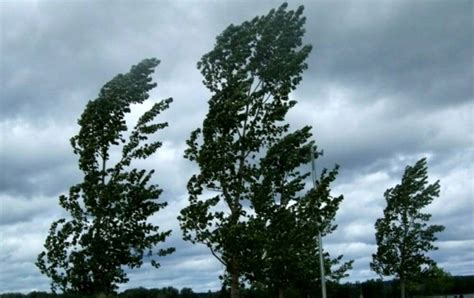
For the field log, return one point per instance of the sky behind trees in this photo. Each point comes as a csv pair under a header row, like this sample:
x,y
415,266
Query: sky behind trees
x,y
388,83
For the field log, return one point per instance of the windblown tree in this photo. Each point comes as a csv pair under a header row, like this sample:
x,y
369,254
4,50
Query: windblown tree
x,y
289,222
250,72
403,235
108,228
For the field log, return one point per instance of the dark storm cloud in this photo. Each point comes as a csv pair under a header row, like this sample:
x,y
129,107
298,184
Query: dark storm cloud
x,y
62,53
418,51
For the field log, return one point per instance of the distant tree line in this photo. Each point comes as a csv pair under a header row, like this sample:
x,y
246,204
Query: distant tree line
x,y
440,285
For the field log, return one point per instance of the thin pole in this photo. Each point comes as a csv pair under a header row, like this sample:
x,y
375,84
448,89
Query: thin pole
x,y
320,240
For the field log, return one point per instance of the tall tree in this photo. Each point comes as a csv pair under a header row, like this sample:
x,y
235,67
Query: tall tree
x,y
289,222
250,72
107,227
403,235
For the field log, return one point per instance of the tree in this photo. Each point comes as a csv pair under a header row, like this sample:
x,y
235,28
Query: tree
x,y
187,293
435,282
289,222
107,227
403,235
250,72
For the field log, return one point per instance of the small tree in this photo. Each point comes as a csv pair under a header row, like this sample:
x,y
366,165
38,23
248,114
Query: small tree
x,y
251,72
403,235
108,228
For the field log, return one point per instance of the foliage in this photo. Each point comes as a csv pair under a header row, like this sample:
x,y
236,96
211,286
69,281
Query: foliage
x,y
369,289
108,228
316,212
250,72
288,222
436,282
403,235
187,293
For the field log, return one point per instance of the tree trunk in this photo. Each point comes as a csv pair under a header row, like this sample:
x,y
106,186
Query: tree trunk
x,y
402,288
234,286
280,293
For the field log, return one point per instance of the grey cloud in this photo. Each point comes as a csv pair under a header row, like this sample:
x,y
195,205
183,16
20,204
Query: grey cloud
x,y
17,209
23,172
63,52
190,265
21,243
421,52
358,138
459,259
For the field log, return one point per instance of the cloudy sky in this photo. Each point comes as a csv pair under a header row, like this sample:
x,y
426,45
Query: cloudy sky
x,y
388,83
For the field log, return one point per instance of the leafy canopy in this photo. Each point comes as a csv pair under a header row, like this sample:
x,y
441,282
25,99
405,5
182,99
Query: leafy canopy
x,y
108,227
289,221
